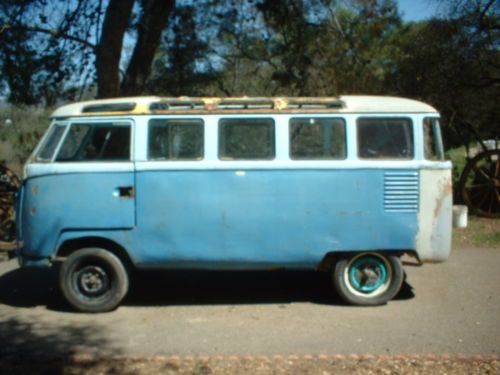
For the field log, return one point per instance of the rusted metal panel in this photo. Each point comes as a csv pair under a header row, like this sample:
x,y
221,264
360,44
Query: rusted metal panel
x,y
435,215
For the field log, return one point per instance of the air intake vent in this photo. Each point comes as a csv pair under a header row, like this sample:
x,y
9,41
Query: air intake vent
x,y
111,107
401,192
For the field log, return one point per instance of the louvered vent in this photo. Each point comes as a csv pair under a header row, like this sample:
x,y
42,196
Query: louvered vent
x,y
401,191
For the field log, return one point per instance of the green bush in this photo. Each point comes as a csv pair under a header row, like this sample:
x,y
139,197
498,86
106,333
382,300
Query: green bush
x,y
458,158
20,130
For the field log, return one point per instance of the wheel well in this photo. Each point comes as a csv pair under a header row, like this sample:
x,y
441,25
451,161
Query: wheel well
x,y
330,258
73,245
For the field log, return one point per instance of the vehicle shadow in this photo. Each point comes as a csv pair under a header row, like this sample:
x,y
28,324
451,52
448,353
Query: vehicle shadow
x,y
30,287
35,287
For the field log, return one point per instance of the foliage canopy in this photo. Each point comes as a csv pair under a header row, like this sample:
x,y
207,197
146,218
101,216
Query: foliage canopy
x,y
55,50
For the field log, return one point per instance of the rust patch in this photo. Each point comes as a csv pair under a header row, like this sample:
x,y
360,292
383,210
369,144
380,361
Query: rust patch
x,y
445,190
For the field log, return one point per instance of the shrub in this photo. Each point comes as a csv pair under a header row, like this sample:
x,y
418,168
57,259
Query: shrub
x,y
20,130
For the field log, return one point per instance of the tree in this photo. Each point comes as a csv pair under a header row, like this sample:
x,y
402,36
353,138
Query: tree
x,y
153,21
182,65
241,49
76,34
109,49
29,73
453,63
313,47
299,47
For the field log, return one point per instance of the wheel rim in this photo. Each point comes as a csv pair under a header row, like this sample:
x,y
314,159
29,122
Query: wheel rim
x,y
368,275
92,282
480,184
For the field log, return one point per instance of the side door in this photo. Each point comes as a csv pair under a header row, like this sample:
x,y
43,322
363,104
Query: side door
x,y
170,189
95,175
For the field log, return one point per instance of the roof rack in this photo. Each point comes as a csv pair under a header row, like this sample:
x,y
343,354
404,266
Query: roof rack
x,y
145,105
177,104
244,103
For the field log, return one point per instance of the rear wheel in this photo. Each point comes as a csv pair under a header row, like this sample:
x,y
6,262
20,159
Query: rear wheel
x,y
93,280
368,279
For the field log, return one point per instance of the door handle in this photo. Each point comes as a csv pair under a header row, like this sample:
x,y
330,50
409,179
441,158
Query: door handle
x,y
124,192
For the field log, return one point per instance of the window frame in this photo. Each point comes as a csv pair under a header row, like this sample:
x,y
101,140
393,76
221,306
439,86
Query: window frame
x,y
46,139
201,121
437,136
290,148
220,138
116,123
385,118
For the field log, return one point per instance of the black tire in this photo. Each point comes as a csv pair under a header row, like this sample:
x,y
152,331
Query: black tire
x,y
368,279
93,280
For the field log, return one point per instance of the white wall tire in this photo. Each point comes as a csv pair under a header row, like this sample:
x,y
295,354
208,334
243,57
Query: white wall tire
x,y
368,279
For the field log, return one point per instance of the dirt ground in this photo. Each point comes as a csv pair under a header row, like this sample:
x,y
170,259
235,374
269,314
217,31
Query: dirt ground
x,y
5,249
479,230
322,365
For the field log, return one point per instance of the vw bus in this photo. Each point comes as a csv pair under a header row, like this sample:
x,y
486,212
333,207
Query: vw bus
x,y
344,185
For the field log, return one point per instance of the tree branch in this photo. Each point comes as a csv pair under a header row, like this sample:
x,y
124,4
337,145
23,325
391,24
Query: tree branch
x,y
153,21
54,32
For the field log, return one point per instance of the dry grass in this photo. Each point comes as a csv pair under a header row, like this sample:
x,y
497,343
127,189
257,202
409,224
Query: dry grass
x,y
480,232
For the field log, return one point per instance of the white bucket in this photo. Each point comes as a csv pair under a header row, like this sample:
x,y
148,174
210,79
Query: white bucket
x,y
460,216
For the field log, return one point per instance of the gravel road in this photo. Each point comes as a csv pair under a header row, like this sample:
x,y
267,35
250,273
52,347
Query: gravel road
x,y
453,307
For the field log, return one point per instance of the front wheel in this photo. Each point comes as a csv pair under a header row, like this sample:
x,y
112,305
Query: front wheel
x,y
93,280
368,279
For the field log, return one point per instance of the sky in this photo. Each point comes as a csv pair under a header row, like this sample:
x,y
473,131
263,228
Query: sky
x,y
416,10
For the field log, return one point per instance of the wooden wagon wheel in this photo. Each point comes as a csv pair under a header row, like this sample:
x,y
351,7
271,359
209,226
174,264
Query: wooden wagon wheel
x,y
480,184
9,185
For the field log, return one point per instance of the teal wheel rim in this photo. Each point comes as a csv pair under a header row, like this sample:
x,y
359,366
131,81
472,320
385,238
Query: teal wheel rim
x,y
369,273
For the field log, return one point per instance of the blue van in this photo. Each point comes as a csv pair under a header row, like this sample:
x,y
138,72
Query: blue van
x,y
344,185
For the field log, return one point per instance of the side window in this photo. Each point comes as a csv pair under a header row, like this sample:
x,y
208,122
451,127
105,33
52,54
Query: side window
x,y
433,147
246,139
385,138
175,139
73,141
96,142
51,142
317,138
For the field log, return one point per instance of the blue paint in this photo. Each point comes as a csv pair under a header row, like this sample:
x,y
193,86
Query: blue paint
x,y
269,217
218,219
55,203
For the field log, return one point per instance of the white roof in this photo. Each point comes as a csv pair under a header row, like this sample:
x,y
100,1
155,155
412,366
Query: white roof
x,y
365,103
343,104
76,109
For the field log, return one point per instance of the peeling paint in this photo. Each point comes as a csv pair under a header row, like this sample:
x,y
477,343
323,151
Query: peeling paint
x,y
435,215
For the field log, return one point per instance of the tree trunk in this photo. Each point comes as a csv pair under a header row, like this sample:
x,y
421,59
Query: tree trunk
x,y
153,21
110,46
